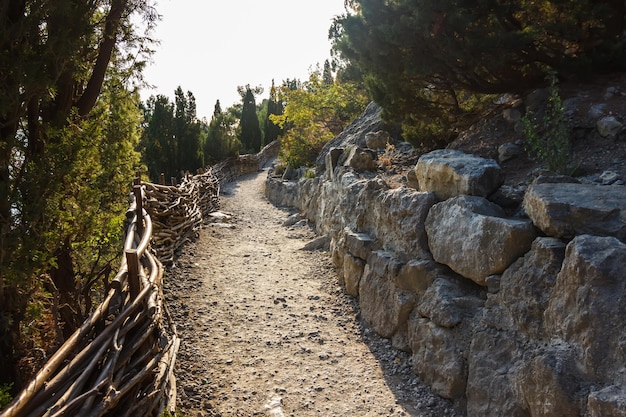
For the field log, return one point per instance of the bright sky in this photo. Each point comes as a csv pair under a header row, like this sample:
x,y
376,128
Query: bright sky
x,y
210,47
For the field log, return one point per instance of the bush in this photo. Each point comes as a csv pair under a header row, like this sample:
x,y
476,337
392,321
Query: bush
x,y
547,137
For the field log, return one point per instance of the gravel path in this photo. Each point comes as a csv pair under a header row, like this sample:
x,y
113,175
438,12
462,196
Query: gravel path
x,y
267,330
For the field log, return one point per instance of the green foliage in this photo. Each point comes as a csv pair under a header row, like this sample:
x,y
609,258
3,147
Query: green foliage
x,y
221,141
547,137
274,108
173,137
423,60
313,115
5,395
250,135
68,123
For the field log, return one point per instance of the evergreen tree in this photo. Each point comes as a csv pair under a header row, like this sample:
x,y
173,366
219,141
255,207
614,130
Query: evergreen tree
x,y
327,75
274,108
65,122
421,58
221,141
250,135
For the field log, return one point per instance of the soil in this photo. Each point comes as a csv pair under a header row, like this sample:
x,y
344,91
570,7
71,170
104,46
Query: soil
x,y
267,329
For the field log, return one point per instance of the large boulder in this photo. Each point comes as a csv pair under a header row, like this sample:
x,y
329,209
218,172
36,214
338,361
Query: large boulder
x,y
492,371
396,217
383,305
472,236
437,356
567,210
526,287
450,300
449,173
588,305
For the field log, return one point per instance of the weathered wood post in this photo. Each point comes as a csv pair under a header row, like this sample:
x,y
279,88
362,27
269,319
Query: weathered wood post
x,y
138,205
162,179
132,259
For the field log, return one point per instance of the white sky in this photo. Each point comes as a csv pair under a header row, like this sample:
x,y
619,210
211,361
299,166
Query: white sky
x,y
210,47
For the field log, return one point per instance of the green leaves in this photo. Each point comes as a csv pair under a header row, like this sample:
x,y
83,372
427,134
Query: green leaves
x,y
314,115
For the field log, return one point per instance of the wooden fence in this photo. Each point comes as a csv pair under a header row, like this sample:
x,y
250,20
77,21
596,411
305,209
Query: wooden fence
x,y
120,361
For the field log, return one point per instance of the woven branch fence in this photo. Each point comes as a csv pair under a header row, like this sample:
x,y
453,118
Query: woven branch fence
x,y
120,362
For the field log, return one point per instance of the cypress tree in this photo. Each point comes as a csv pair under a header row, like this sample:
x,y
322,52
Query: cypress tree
x,y
250,136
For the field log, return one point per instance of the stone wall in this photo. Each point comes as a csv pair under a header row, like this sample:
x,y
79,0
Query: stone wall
x,y
507,316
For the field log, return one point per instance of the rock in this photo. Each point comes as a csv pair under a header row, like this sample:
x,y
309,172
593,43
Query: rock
x,y
359,244
354,133
448,301
547,383
332,160
417,275
353,269
289,173
587,308
293,219
319,243
472,237
385,307
609,127
537,99
609,177
568,210
218,216
607,402
449,173
611,92
411,180
511,115
377,140
508,197
436,357
508,151
526,286
361,159
596,111
396,217
492,370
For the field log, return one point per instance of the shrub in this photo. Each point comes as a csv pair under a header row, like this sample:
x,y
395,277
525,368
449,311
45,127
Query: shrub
x,y
547,137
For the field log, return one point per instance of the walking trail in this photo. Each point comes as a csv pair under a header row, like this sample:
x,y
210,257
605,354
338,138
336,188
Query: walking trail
x,y
267,329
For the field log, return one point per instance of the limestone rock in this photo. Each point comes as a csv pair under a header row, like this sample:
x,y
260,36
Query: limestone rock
x,y
411,180
609,127
332,160
377,140
359,244
417,275
608,402
568,210
449,301
449,173
508,151
360,159
587,307
353,269
548,383
526,286
472,237
492,371
384,306
354,133
436,357
396,217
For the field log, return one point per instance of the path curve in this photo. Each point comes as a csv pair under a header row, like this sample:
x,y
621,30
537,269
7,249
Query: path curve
x,y
267,329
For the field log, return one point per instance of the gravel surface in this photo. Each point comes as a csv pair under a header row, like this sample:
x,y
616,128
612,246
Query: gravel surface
x,y
267,329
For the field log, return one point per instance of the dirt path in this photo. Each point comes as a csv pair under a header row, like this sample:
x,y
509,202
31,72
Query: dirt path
x,y
267,329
